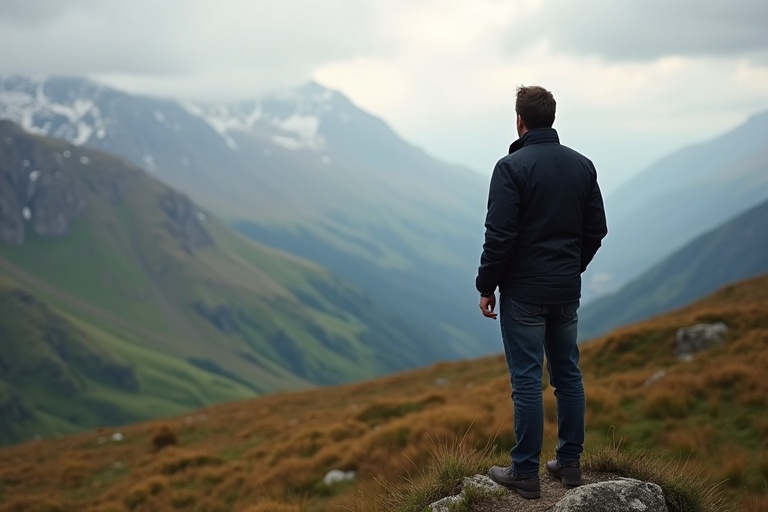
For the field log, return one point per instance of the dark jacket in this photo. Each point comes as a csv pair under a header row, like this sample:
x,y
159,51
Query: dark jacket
x,y
545,221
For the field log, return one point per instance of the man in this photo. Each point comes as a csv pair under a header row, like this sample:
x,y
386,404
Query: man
x,y
544,224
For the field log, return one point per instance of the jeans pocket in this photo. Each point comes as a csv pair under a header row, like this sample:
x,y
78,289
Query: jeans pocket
x,y
528,314
570,311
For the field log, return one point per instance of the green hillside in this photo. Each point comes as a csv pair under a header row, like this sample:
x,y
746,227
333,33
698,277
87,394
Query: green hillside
x,y
733,251
136,277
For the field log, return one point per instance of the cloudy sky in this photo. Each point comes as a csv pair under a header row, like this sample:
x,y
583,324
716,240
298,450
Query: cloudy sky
x,y
633,79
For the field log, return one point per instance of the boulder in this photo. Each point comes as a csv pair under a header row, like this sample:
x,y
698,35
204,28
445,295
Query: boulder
x,y
699,337
625,494
335,476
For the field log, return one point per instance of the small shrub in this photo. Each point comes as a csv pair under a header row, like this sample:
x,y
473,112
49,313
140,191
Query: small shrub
x,y
163,438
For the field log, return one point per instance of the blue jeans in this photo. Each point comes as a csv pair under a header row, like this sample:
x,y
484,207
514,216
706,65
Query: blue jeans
x,y
530,331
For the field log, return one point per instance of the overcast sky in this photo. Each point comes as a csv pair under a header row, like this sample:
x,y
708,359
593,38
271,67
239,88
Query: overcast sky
x,y
633,79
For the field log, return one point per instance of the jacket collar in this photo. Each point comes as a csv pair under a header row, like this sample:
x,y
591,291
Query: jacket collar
x,y
535,136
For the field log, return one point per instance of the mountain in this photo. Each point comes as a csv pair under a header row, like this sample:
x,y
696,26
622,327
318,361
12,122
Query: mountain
x,y
678,198
306,171
273,453
121,299
733,251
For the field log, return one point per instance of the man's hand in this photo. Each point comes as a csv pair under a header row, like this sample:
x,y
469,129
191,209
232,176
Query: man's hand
x,y
487,305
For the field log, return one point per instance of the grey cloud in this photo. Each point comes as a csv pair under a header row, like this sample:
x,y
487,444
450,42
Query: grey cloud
x,y
36,12
176,40
107,37
646,29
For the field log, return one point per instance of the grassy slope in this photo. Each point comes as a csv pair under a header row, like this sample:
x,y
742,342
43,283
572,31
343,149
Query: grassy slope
x,y
125,275
708,412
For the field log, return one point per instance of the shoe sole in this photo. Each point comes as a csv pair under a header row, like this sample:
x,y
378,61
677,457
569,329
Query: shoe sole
x,y
529,495
565,481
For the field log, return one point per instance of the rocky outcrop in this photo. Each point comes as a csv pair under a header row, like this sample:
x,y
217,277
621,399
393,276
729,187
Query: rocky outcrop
x,y
222,316
38,189
185,221
625,494
475,484
699,337
11,220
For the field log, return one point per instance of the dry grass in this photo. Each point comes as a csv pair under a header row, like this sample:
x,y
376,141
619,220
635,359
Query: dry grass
x,y
424,429
450,461
686,488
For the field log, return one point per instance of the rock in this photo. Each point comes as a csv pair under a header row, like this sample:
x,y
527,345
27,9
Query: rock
x,y
480,483
184,222
699,337
335,476
657,376
625,494
222,316
447,504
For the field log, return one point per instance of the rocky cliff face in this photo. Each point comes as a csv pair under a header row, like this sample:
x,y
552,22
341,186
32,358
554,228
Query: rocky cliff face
x,y
38,190
185,221
45,188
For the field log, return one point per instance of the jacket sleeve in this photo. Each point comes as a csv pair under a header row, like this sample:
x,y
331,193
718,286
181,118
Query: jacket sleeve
x,y
500,228
594,226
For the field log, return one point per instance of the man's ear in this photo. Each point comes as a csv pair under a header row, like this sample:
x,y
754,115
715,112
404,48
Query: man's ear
x,y
521,128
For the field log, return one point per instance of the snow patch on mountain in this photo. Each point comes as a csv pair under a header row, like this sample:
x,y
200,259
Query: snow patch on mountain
x,y
83,112
291,119
303,132
28,103
149,163
225,119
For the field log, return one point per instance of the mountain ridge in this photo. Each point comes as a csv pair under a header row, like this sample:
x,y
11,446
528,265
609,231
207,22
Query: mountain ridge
x,y
678,198
126,260
348,185
732,251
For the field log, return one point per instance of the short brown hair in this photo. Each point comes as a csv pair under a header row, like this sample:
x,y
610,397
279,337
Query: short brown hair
x,y
536,106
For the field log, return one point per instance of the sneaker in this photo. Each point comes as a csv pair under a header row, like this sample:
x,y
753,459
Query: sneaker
x,y
527,486
569,474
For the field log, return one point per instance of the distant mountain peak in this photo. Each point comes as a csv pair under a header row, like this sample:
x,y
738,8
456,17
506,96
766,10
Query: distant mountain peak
x,y
294,116
62,107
